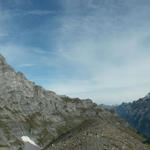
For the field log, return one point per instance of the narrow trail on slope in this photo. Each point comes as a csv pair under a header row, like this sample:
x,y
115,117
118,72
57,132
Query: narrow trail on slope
x,y
83,126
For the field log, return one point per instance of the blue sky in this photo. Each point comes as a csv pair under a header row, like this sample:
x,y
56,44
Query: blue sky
x,y
96,49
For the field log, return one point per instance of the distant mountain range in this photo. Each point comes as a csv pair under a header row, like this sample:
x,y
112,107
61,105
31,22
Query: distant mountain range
x,y
137,114
53,122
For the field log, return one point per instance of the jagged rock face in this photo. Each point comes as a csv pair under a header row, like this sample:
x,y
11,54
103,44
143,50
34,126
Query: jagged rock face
x,y
29,110
13,82
137,114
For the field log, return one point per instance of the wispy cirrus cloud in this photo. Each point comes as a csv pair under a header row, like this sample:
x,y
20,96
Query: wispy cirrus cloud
x,y
105,42
39,12
26,65
90,48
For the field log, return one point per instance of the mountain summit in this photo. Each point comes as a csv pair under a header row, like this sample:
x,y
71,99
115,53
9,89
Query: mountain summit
x,y
2,60
28,111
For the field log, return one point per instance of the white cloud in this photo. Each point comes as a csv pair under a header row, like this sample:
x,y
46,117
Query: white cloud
x,y
13,52
39,12
114,85
109,47
4,18
102,50
18,2
45,52
26,65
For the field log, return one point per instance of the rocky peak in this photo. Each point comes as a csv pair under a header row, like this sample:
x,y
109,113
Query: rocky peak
x,y
147,96
2,60
4,67
137,114
12,82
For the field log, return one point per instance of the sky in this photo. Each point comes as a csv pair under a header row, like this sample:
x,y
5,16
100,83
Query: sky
x,y
97,49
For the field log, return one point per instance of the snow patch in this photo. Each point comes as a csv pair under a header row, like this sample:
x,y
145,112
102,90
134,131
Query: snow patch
x,y
27,139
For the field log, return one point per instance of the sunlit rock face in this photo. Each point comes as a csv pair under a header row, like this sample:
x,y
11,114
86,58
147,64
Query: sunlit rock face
x,y
29,109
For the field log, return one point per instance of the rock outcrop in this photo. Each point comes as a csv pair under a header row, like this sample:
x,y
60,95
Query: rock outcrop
x,y
52,120
137,114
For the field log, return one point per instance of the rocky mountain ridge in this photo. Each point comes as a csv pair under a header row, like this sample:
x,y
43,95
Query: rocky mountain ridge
x,y
137,114
29,110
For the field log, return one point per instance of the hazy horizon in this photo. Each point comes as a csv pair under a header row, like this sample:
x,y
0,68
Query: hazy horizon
x,y
81,48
